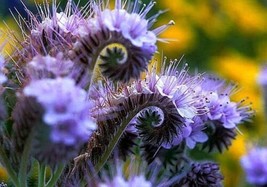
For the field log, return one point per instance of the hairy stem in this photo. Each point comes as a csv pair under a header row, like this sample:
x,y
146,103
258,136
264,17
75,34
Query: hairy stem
x,y
131,108
53,180
25,160
114,141
11,173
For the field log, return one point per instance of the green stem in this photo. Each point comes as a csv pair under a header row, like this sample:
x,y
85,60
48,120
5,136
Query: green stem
x,y
114,141
41,175
8,167
25,160
53,180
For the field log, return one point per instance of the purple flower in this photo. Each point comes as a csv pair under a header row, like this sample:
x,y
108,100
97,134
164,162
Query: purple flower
x,y
202,174
66,110
220,107
132,25
230,115
134,181
262,77
3,78
48,66
255,166
177,85
214,104
176,140
223,110
193,132
62,23
52,32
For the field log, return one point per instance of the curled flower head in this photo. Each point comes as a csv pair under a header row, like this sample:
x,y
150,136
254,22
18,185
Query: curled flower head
x,y
202,175
124,43
255,166
50,31
178,85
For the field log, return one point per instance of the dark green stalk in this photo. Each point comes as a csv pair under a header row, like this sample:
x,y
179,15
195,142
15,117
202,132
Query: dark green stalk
x,y
5,161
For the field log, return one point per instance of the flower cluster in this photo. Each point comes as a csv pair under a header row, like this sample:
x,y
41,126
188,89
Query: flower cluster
x,y
255,166
254,162
203,103
202,174
65,109
76,101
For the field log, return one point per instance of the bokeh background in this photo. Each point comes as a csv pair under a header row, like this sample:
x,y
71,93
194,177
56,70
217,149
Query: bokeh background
x,y
224,37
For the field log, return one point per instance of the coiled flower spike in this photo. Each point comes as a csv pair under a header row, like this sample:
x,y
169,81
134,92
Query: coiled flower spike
x,y
120,41
123,45
202,175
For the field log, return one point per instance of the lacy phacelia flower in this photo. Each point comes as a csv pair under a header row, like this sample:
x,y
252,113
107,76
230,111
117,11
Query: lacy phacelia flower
x,y
202,175
220,107
51,32
70,23
66,110
124,41
3,78
176,88
177,85
255,166
223,115
49,67
193,132
131,25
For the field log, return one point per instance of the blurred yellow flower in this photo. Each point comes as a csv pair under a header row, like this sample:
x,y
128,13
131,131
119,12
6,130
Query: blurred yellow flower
x,y
6,35
181,37
210,19
3,174
247,14
244,71
231,168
